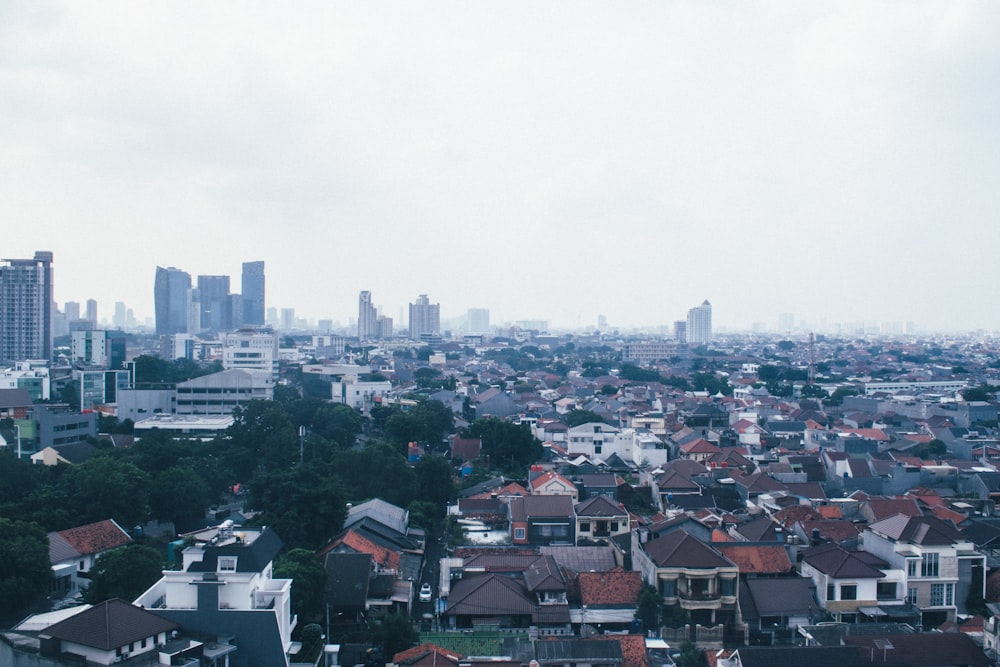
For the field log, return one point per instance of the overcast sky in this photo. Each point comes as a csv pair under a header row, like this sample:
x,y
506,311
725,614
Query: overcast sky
x,y
557,160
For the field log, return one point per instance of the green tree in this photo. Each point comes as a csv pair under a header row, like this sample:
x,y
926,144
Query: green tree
x,y
648,608
691,656
435,479
304,504
394,633
337,422
262,435
427,422
509,446
635,374
178,494
25,571
308,576
107,486
123,573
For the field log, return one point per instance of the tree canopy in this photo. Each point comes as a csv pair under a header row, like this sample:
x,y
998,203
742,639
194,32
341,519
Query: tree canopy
x,y
124,573
509,446
25,571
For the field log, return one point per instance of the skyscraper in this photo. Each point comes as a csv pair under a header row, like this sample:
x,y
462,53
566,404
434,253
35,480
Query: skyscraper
x,y
26,308
172,297
699,324
366,316
216,314
252,287
425,318
479,320
92,310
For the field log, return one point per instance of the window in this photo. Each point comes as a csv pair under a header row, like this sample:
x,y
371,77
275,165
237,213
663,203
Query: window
x,y
849,592
911,567
911,596
929,565
831,592
668,588
727,587
519,533
942,594
584,526
227,564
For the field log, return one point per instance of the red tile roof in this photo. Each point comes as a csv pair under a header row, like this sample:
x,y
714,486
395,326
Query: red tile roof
x,y
614,588
412,655
96,537
757,558
633,648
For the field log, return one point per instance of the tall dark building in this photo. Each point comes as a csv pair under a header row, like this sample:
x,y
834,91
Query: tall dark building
x,y
172,297
26,308
216,310
253,293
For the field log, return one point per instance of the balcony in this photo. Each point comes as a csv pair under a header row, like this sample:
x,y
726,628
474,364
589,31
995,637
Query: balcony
x,y
699,600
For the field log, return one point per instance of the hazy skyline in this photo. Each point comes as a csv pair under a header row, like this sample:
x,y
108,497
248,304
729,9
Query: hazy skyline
x,y
549,161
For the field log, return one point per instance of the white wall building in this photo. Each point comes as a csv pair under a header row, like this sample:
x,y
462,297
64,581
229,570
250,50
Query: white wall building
x,y
251,349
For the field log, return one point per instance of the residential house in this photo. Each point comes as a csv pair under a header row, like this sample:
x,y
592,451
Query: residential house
x,y
74,551
489,600
551,483
941,565
599,519
108,633
689,574
777,606
226,587
849,583
542,520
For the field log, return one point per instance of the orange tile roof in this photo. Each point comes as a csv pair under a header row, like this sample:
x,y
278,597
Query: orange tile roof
x,y
830,512
757,558
424,649
616,587
96,537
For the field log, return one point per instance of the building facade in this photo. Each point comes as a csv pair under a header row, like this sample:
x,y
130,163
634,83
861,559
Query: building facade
x,y
253,293
26,308
172,297
425,318
366,316
699,324
251,349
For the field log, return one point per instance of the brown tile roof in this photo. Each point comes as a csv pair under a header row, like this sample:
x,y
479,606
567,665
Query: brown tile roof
x,y
614,588
791,515
385,558
681,549
110,625
883,508
96,537
757,558
836,530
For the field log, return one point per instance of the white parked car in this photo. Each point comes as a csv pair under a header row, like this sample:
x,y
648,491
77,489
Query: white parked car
x,y
425,593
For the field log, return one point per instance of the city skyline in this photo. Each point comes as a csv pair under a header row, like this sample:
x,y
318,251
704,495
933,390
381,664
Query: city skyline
x,y
562,162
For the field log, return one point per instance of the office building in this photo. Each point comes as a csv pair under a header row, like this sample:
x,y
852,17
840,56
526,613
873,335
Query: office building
x,y
173,302
213,295
680,331
383,327
96,348
92,310
425,318
366,316
26,308
72,310
253,293
699,324
479,320
120,319
251,349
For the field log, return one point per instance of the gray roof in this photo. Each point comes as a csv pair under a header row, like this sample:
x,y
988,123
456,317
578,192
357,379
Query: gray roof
x,y
582,559
925,530
837,562
384,512
681,549
784,596
110,625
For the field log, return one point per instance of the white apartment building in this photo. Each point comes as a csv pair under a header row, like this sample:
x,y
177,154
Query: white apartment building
x,y
251,349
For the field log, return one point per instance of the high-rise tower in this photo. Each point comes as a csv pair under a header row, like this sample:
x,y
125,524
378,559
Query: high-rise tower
x,y
425,318
172,297
366,316
26,308
699,324
253,293
216,309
